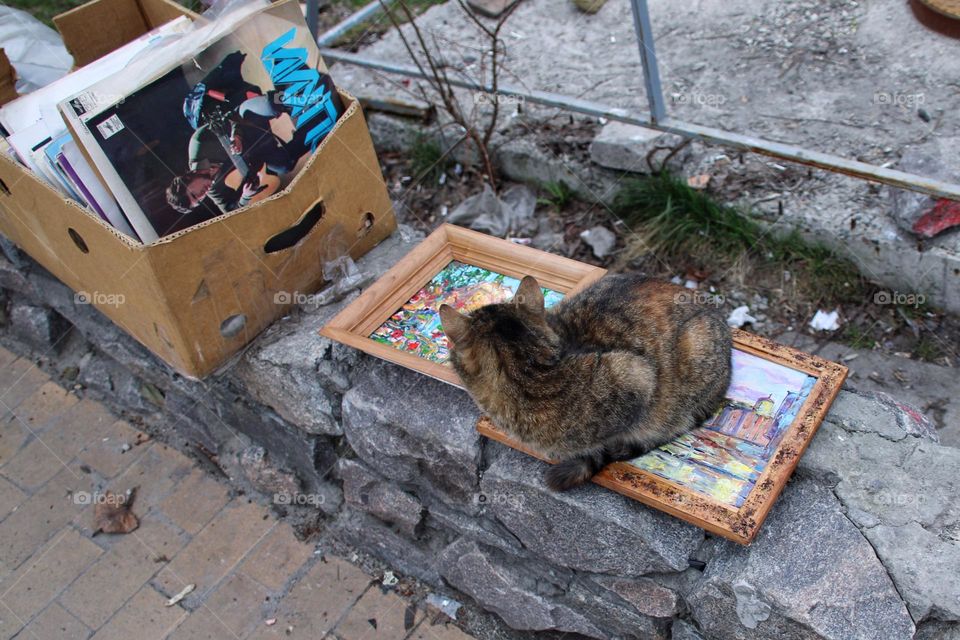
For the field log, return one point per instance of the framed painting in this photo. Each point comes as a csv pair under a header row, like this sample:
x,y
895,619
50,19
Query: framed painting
x,y
723,477
397,318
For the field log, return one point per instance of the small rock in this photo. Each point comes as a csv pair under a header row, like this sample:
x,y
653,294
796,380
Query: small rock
x,y
625,147
264,476
684,631
934,160
40,327
600,239
499,587
367,491
646,596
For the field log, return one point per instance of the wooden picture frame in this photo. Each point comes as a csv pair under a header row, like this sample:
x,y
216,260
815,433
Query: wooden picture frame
x,y
354,325
739,522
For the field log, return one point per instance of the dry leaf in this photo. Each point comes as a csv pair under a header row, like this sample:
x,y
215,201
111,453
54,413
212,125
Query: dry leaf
x,y
112,513
699,181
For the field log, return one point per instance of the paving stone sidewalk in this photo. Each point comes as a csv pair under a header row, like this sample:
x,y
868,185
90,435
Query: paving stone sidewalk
x,y
57,580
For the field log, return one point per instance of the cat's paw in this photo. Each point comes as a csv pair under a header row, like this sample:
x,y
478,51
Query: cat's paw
x,y
569,473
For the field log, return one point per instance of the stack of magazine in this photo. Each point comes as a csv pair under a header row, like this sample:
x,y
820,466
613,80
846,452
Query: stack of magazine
x,y
185,123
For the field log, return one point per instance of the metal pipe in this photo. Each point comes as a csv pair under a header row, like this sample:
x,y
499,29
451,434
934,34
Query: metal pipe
x,y
334,33
855,168
313,15
648,60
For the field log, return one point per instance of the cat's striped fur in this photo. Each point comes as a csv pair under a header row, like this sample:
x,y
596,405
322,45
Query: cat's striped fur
x,y
624,366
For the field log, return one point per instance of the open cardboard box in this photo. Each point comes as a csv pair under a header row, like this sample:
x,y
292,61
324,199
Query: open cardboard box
x,y
197,297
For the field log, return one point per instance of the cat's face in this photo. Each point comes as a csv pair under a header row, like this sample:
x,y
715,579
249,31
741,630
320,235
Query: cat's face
x,y
510,335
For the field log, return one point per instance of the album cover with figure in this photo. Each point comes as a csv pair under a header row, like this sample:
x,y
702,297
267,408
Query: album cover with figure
x,y
214,130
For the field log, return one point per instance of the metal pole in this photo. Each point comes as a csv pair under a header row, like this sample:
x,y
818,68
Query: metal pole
x,y
826,161
332,35
313,15
648,60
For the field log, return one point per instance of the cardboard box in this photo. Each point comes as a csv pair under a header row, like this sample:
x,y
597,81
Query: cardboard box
x,y
197,297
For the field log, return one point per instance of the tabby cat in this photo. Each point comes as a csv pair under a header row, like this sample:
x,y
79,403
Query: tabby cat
x,y
608,374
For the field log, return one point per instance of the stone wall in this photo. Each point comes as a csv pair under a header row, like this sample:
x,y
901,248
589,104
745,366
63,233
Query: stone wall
x,y
864,542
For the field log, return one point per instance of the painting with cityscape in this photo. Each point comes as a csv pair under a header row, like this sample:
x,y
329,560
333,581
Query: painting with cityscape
x,y
415,327
724,458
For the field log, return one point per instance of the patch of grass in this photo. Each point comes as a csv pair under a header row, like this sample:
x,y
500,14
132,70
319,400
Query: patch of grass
x,y
835,278
426,158
857,337
558,195
927,349
44,10
673,219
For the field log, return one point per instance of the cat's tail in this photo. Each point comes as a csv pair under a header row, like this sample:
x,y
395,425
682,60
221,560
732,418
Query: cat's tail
x,y
573,472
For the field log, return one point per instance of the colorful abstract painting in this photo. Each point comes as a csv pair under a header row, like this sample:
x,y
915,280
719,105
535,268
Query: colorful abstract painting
x,y
725,457
415,327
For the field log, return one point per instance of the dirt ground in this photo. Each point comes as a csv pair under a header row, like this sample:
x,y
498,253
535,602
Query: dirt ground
x,y
867,80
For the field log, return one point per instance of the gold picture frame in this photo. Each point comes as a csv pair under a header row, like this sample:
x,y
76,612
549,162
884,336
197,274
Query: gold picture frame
x,y
772,434
354,324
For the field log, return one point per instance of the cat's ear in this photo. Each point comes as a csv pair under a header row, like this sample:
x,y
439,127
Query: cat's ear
x,y
529,295
454,323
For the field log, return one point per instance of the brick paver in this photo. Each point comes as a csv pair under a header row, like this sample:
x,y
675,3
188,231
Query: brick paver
x,y
253,579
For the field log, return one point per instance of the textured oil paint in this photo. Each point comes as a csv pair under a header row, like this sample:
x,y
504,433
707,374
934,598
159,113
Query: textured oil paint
x,y
415,327
724,458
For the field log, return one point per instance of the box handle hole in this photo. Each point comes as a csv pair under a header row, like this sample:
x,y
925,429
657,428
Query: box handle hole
x,y
233,325
292,235
366,225
4,189
78,240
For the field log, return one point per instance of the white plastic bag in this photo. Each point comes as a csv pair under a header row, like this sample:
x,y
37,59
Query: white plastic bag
x,y
35,50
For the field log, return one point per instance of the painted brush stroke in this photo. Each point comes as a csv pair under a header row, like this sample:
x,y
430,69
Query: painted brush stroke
x,y
415,327
724,458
